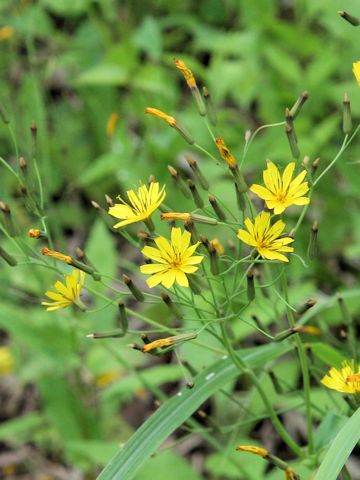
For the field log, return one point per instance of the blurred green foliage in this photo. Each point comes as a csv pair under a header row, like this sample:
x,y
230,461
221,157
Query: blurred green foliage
x,y
68,66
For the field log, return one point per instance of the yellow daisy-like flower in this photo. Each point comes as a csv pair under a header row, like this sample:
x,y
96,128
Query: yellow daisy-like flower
x,y
266,237
281,192
6,361
356,71
174,259
344,380
141,204
66,293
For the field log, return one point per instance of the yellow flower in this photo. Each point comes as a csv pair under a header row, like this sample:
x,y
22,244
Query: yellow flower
x,y
266,238
218,246
141,204
281,192
345,380
66,293
290,474
174,260
262,452
6,361
356,71
6,32
111,124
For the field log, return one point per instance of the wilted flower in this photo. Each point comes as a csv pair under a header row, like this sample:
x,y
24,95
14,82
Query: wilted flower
x,y
66,293
281,192
174,259
266,237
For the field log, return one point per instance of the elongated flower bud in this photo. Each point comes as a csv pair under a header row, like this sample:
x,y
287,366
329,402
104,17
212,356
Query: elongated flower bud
x,y
214,263
197,173
291,136
290,121
210,109
349,18
250,286
295,109
347,121
168,341
171,305
225,153
313,241
109,200
190,227
110,334
179,181
195,194
218,246
240,198
261,452
306,306
85,264
217,209
309,329
7,219
111,124
123,317
9,259
315,166
133,288
188,216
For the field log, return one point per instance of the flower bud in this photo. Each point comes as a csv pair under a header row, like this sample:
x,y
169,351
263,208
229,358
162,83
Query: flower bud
x,y
295,109
347,121
312,248
7,219
210,110
191,83
133,288
170,304
214,263
179,181
349,18
291,136
123,317
217,209
197,173
306,306
250,289
315,166
195,194
9,259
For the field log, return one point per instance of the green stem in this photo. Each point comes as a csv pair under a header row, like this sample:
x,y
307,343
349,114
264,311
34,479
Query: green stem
x,y
304,368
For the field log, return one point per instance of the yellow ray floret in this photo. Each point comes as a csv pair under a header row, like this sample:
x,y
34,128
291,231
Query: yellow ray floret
x,y
281,191
66,293
266,237
6,361
345,380
356,71
141,204
174,260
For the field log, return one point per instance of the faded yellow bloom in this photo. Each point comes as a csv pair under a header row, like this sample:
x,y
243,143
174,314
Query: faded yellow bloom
x,y
262,452
106,378
111,124
266,237
66,293
309,329
225,153
6,361
188,75
174,259
158,113
281,191
218,246
176,216
6,32
161,342
57,255
356,71
34,233
141,206
344,380
290,474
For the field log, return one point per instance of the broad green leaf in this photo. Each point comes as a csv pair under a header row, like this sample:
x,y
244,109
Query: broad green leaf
x,y
179,408
340,449
327,354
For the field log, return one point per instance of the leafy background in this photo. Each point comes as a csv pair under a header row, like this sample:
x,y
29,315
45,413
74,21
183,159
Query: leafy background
x,y
69,65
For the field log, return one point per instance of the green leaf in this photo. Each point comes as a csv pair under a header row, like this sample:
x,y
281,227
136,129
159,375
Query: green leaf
x,y
103,74
179,408
328,354
328,428
340,449
100,236
19,429
164,462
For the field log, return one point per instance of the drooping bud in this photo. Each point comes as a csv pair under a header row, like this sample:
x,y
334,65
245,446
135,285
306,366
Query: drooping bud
x,y
347,121
295,109
197,173
349,18
217,209
210,109
133,288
